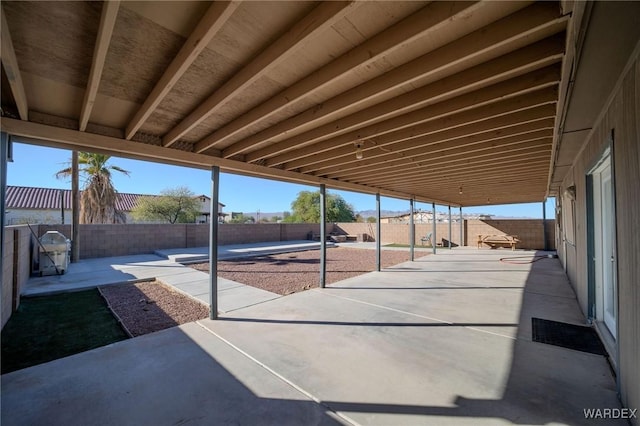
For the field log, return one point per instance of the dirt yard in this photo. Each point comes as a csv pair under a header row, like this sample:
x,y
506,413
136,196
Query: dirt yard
x,y
293,272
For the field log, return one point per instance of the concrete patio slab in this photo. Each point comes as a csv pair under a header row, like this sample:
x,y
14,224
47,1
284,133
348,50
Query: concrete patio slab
x,y
444,340
110,271
183,375
237,297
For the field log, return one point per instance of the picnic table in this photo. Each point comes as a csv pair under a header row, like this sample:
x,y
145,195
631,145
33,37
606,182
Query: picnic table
x,y
495,241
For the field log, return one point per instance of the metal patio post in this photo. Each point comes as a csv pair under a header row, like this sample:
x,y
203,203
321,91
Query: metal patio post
x,y
323,235
449,227
75,208
544,226
4,155
433,228
412,231
461,228
378,233
213,244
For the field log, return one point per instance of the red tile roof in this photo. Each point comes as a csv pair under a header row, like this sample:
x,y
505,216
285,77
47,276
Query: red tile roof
x,y
26,197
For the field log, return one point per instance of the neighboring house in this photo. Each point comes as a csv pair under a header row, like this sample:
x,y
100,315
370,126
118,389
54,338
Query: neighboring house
x,y
49,205
422,216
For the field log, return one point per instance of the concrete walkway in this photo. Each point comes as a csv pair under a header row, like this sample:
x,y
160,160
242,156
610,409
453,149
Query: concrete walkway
x,y
90,273
238,251
444,340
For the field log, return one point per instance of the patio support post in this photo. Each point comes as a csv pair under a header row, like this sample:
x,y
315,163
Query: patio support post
x,y
449,227
378,233
213,244
75,208
544,226
433,227
412,231
4,156
62,206
323,235
461,228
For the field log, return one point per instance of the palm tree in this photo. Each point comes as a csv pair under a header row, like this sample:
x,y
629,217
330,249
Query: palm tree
x,y
98,200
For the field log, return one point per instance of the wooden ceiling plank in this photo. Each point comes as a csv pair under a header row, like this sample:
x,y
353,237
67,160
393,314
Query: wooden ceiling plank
x,y
12,70
488,73
103,40
470,150
523,23
496,127
530,82
318,20
419,23
210,24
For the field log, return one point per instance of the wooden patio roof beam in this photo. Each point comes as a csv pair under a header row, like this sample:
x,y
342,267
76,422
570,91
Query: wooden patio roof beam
x,y
460,163
461,166
417,24
539,17
445,185
507,145
422,173
210,24
517,134
12,70
321,17
523,61
72,139
521,122
300,145
103,39
512,88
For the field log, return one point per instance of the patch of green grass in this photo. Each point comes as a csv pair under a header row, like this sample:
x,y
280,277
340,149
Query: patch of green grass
x,y
51,327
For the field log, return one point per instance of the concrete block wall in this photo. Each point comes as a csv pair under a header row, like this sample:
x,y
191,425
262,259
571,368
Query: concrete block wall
x,y
398,233
122,240
16,267
529,231
128,239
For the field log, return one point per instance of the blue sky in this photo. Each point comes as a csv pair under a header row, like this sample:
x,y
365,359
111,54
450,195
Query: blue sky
x,y
36,166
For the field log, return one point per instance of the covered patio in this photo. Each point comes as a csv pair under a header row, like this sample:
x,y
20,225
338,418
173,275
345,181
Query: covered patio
x,y
442,340
452,103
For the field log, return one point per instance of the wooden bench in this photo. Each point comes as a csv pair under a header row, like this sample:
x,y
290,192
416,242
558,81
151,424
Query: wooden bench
x,y
495,241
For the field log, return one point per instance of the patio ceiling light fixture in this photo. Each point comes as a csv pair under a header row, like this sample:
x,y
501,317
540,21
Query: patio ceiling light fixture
x,y
359,153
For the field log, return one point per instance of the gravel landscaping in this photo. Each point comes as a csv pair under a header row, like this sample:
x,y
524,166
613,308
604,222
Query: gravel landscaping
x,y
293,272
151,306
